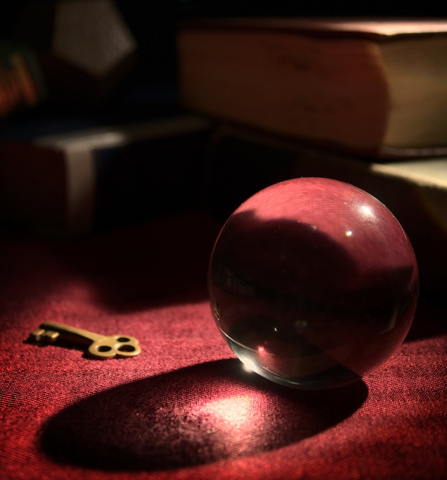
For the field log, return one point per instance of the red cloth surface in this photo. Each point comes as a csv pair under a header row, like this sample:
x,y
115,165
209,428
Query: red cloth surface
x,y
185,408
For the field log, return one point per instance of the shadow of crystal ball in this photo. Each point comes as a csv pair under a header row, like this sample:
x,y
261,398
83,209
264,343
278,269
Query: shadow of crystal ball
x,y
313,283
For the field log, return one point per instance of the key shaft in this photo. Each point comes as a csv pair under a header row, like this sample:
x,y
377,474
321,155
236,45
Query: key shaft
x,y
72,334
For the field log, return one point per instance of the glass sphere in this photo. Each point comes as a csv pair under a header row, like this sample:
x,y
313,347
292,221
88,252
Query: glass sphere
x,y
313,283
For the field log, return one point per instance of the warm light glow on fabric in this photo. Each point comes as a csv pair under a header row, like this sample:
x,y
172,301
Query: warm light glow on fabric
x,y
232,412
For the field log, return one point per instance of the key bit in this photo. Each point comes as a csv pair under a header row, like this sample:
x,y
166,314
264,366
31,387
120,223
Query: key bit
x,y
40,334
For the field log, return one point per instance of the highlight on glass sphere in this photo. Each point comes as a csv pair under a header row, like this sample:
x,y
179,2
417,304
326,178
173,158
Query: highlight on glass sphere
x,y
313,283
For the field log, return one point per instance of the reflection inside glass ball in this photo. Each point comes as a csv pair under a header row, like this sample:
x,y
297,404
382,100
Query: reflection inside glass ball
x,y
313,283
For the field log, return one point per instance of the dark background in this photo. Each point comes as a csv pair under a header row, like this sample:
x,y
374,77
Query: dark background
x,y
154,25
150,90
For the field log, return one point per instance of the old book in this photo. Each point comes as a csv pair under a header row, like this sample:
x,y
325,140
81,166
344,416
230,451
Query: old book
x,y
242,161
373,87
78,181
21,81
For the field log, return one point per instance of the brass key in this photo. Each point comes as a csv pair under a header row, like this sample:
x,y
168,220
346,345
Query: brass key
x,y
101,347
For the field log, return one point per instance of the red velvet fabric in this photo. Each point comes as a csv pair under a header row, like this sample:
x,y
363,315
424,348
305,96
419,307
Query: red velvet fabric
x,y
185,408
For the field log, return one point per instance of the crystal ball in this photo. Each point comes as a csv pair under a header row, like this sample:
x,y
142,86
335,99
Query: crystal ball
x,y
313,283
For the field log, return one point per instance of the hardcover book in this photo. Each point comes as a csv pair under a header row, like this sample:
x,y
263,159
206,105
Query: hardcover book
x,y
75,182
372,87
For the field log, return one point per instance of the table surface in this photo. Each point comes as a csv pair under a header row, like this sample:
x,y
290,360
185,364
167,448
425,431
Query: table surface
x,y
185,408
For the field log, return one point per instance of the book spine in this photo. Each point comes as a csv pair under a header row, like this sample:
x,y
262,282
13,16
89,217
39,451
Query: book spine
x,y
80,192
32,187
21,81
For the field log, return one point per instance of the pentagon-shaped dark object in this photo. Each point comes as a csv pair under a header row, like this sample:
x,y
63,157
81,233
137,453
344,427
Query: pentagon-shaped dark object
x,y
85,47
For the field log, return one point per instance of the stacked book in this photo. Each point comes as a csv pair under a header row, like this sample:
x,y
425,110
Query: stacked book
x,y
68,177
364,102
